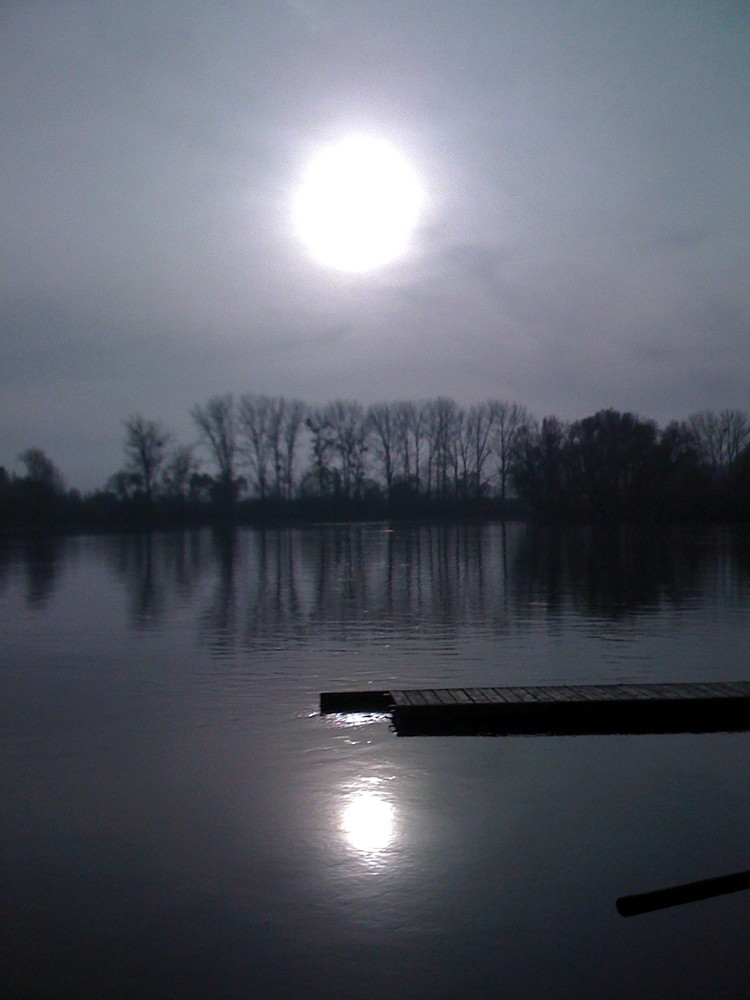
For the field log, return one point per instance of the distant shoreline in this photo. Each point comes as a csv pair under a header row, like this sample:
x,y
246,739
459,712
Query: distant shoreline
x,y
127,519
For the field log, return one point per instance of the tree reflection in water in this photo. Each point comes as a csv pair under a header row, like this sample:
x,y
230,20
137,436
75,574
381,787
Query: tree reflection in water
x,y
250,589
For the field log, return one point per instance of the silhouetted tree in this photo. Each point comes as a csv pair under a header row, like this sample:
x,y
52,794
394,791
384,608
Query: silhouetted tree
x,y
260,426
510,422
217,423
427,456
179,472
740,484
476,446
685,486
442,418
270,428
145,450
38,499
611,461
292,420
349,435
538,467
321,442
410,430
41,471
124,485
720,437
381,420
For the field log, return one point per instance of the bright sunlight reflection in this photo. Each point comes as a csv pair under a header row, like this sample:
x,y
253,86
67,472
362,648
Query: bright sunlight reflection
x,y
368,822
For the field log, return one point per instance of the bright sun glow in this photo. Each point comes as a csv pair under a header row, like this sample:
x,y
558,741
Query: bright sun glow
x,y
357,205
367,822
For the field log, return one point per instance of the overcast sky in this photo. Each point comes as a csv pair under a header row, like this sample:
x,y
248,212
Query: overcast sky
x,y
584,241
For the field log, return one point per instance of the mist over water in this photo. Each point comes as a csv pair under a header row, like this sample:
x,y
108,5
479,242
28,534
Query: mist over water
x,y
178,821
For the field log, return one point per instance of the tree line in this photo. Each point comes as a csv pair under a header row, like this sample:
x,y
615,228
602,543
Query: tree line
x,y
260,458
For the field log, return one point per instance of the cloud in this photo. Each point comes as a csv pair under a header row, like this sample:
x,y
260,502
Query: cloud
x,y
584,245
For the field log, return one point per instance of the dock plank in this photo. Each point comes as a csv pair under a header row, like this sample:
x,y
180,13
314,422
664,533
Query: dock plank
x,y
643,692
478,695
401,699
462,697
528,694
575,708
417,698
507,695
446,696
596,692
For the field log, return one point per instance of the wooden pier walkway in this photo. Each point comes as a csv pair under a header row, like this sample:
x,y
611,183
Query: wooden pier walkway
x,y
557,709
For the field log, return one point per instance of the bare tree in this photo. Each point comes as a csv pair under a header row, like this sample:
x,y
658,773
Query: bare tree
x,y
510,422
179,472
538,465
737,425
293,418
381,420
145,450
269,429
410,427
461,456
217,423
441,424
476,434
41,470
349,433
321,442
123,484
719,437
275,444
260,427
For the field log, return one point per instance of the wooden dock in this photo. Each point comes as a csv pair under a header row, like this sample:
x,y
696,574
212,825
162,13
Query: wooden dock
x,y
557,709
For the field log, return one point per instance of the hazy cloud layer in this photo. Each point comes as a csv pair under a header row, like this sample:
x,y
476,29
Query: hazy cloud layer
x,y
585,242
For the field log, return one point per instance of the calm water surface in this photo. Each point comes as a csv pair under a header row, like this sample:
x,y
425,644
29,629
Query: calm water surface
x,y
177,820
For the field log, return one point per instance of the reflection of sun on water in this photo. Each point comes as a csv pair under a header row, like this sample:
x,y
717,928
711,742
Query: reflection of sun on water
x,y
368,822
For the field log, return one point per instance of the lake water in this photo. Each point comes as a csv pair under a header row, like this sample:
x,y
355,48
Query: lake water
x,y
178,820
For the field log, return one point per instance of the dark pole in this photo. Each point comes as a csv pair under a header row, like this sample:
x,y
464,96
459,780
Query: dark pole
x,y
645,902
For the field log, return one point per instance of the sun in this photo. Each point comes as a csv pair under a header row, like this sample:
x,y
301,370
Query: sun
x,y
357,205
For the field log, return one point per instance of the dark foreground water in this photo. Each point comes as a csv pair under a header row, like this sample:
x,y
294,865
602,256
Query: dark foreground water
x,y
177,821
